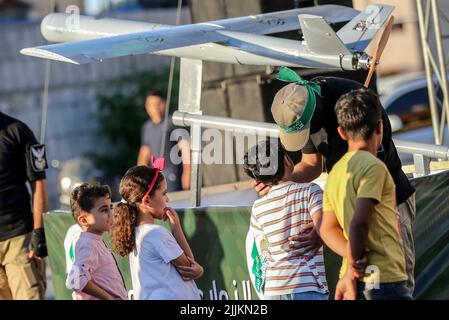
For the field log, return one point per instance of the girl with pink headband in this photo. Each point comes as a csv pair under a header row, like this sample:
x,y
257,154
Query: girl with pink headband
x,y
162,264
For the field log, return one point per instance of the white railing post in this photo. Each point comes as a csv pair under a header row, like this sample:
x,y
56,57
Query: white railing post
x,y
190,82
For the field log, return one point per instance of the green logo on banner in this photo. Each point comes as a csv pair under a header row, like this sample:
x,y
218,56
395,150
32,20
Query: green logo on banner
x,y
257,268
71,253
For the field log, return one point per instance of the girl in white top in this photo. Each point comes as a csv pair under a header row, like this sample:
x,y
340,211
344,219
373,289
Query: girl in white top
x,y
162,264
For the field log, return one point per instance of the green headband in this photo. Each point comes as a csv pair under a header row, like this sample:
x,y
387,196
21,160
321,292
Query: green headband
x,y
288,75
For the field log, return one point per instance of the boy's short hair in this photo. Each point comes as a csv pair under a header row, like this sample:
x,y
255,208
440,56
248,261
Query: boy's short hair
x,y
83,197
358,113
264,162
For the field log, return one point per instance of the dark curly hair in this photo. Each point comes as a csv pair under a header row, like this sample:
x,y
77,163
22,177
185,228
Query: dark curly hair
x,y
264,162
358,113
83,197
133,186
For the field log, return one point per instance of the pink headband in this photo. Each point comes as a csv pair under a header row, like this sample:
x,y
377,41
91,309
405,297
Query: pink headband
x,y
159,165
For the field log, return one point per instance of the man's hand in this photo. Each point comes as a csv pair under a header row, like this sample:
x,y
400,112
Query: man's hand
x,y
308,240
261,188
193,272
38,247
346,289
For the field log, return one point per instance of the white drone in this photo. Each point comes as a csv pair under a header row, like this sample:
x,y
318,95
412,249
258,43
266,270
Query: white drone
x,y
243,40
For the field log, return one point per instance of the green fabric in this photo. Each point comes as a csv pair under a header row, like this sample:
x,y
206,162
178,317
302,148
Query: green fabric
x,y
431,234
288,75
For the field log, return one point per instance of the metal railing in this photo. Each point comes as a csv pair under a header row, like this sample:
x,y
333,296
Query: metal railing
x,y
422,153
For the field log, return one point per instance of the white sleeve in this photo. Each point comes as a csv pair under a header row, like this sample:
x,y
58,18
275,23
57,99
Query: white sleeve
x,y
315,199
164,244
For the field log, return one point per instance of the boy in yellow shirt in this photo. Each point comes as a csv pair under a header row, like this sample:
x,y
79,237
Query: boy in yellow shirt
x,y
359,204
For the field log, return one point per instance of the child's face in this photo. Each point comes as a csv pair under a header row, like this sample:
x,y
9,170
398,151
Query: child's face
x,y
97,220
158,201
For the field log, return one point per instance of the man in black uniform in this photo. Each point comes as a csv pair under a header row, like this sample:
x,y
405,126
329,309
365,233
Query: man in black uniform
x,y
304,111
22,239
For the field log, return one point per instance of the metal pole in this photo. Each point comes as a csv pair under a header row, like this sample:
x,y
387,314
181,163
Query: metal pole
x,y
221,123
196,174
190,81
422,165
427,150
169,88
45,101
433,107
439,44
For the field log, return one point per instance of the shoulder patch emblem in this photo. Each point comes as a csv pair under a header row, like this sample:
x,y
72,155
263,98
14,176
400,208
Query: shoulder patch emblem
x,y
38,160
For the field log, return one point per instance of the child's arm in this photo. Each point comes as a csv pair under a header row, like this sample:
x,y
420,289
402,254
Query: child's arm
x,y
332,234
346,288
187,267
192,272
178,233
359,228
330,230
185,263
369,194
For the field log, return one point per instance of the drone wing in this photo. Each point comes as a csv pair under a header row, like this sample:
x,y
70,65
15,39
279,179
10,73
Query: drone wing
x,y
173,37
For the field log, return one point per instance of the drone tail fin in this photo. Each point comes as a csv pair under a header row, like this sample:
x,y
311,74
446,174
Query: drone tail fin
x,y
320,38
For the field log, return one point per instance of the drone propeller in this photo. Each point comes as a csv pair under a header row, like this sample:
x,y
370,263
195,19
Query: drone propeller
x,y
380,48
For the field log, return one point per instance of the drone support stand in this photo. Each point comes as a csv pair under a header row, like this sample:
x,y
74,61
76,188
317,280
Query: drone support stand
x,y
190,102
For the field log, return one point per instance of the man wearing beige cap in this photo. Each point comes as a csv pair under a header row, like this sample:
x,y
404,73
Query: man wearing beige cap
x,y
304,112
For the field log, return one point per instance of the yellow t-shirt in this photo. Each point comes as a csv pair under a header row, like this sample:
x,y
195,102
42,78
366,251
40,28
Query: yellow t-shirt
x,y
359,174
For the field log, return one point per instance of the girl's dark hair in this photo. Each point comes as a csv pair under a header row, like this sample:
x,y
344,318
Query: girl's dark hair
x,y
133,186
83,197
264,162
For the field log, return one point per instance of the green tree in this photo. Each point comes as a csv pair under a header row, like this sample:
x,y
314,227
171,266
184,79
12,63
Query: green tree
x,y
121,114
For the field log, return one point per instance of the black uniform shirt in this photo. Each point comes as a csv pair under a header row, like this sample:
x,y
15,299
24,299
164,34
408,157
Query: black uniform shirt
x,y
21,159
335,147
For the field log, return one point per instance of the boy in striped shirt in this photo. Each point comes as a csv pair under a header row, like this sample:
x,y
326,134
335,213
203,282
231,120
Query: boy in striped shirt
x,y
291,273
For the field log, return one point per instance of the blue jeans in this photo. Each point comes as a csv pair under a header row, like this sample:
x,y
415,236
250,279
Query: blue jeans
x,y
310,295
386,291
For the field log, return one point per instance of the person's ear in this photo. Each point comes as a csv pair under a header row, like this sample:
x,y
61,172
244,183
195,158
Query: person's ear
x,y
82,220
342,133
146,202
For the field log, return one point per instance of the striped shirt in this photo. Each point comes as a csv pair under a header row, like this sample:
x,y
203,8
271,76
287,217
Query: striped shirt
x,y
277,216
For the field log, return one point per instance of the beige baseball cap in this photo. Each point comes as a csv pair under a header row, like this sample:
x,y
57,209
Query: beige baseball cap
x,y
287,108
